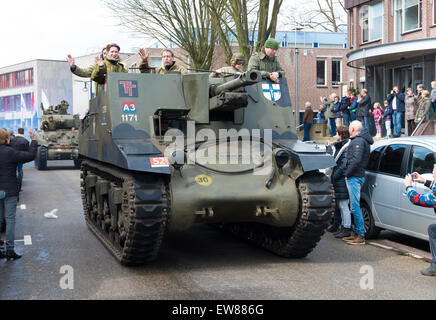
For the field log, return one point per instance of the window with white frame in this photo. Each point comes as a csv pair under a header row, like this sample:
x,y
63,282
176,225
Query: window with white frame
x,y
336,71
321,72
371,21
408,15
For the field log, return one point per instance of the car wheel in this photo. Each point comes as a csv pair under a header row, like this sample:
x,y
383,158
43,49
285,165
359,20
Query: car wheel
x,y
371,231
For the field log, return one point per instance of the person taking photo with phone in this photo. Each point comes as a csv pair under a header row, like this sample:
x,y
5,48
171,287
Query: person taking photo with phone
x,y
425,200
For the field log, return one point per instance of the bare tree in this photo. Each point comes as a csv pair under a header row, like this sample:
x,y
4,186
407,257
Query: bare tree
x,y
324,15
185,23
239,19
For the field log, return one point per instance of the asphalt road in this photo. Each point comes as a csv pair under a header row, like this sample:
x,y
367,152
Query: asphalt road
x,y
202,263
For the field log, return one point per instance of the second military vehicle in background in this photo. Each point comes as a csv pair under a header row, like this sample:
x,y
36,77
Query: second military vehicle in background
x,y
58,138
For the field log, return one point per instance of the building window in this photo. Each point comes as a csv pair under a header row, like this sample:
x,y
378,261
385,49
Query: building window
x,y
320,72
371,19
408,15
434,12
336,72
16,79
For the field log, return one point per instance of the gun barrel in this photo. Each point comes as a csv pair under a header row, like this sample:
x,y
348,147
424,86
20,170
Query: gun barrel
x,y
244,79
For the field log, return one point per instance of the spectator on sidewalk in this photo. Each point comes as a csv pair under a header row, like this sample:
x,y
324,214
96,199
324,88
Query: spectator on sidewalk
x,y
307,121
410,108
396,99
378,116
342,214
9,158
362,112
433,96
336,110
357,157
345,108
327,109
387,115
353,106
425,200
423,108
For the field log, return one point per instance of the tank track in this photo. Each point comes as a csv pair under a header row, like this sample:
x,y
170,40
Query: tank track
x,y
316,208
41,158
145,205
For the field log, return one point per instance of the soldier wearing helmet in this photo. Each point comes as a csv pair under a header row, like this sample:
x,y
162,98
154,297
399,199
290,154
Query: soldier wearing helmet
x,y
236,64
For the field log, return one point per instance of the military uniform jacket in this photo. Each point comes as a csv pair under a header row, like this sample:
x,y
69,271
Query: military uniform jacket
x,y
84,73
100,72
145,68
260,61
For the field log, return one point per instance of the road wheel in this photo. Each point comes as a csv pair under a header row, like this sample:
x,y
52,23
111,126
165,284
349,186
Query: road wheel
x,y
371,231
41,158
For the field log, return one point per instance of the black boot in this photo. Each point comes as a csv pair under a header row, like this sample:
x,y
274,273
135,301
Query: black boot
x,y
2,254
345,232
12,255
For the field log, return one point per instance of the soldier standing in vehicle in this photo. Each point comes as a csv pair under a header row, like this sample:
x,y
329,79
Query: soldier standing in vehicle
x,y
169,63
111,63
63,107
49,125
266,61
236,64
84,73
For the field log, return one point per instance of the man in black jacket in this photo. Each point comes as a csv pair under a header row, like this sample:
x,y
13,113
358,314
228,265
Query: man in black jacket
x,y
362,111
357,158
396,99
9,158
20,143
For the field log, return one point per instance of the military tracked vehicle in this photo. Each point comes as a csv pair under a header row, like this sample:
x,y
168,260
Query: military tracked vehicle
x,y
162,152
58,139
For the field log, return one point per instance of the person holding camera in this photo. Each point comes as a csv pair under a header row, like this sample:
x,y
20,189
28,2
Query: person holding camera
x,y
425,200
396,100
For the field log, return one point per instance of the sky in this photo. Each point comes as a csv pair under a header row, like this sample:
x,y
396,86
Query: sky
x,y
52,29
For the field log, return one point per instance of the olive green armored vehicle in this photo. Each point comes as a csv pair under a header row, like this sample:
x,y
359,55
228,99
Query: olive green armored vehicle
x,y
58,139
162,152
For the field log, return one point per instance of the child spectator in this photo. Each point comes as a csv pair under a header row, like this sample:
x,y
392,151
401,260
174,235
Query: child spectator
x,y
387,115
378,116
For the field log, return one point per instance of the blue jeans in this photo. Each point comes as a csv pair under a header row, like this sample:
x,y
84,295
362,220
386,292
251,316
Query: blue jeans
x,y
354,184
432,240
8,209
332,126
320,118
366,124
346,119
397,119
352,115
306,127
337,219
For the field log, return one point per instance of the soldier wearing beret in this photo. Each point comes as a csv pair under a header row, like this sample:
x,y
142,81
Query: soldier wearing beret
x,y
266,61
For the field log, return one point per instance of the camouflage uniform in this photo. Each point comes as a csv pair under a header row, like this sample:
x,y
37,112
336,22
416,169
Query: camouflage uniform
x,y
145,68
260,61
48,111
100,72
63,107
48,125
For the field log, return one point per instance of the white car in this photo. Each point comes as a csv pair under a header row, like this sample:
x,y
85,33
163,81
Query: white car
x,y
384,199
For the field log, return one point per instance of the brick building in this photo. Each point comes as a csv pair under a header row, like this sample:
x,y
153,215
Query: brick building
x,y
392,42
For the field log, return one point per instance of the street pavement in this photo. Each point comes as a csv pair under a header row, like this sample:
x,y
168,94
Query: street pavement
x,y
202,263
